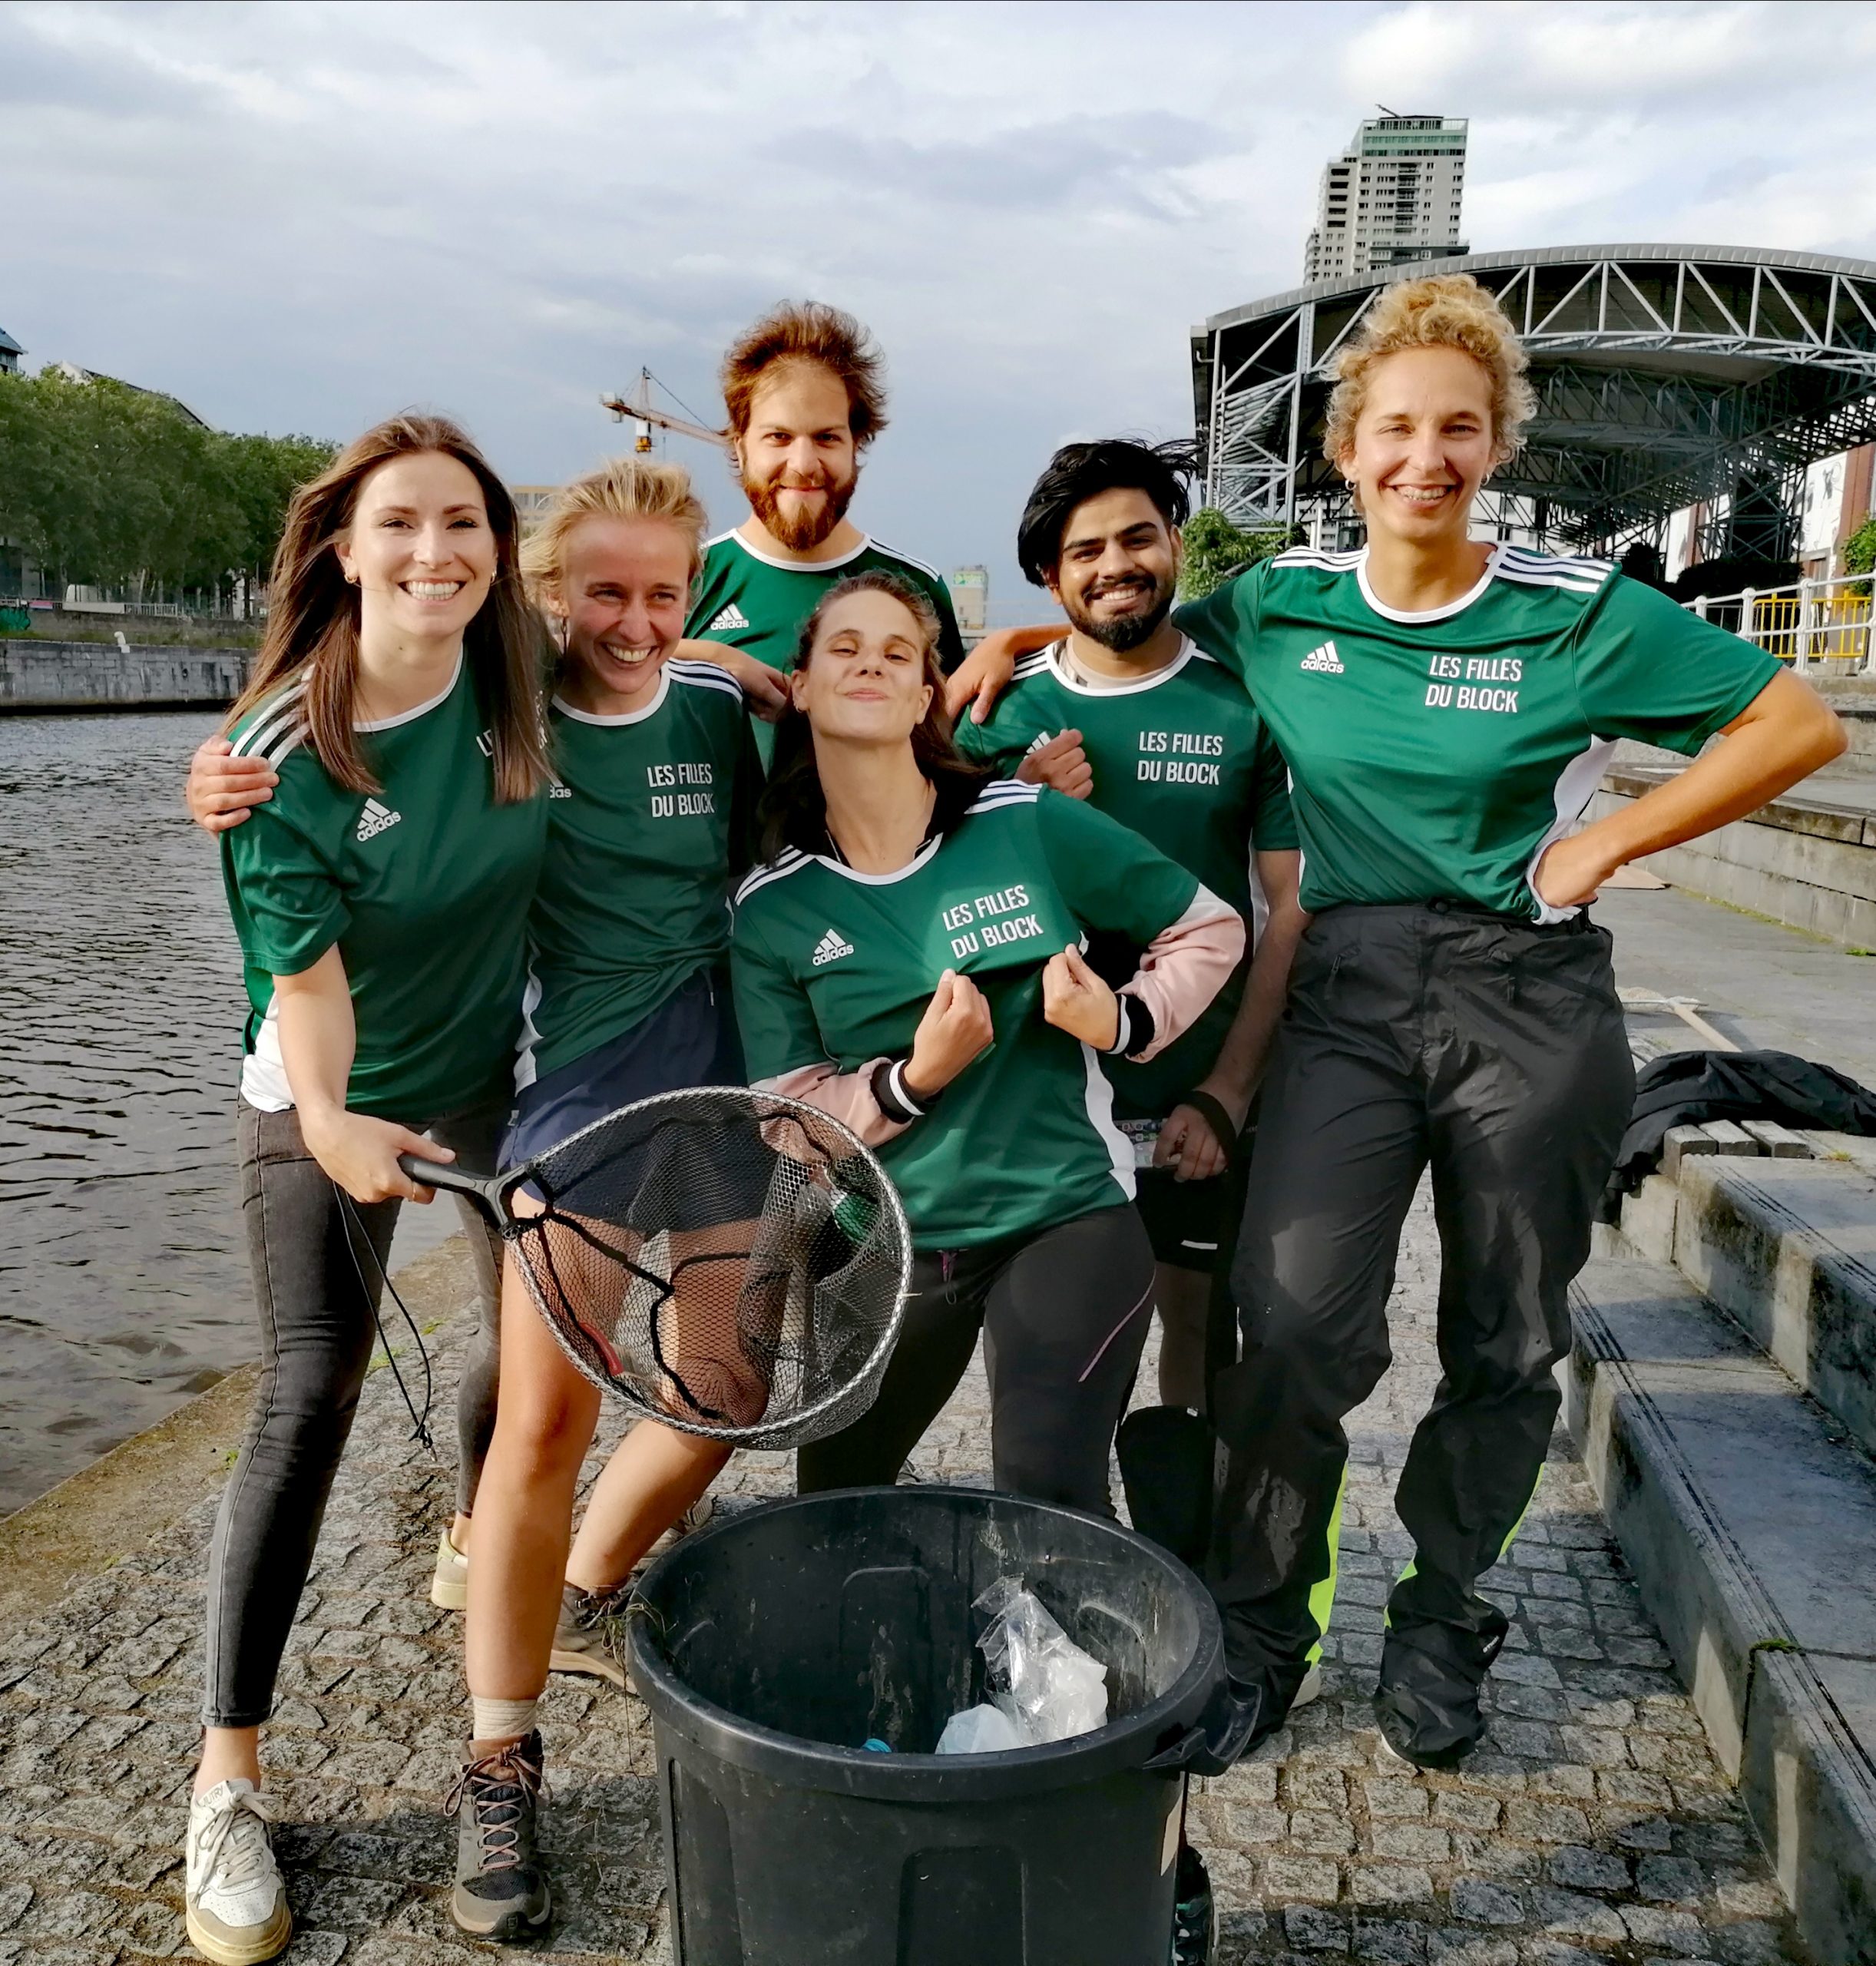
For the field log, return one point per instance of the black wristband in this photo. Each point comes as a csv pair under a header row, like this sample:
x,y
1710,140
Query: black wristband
x,y
893,1095
1213,1114
1136,1030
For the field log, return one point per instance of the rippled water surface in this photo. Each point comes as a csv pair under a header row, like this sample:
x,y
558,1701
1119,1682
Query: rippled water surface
x,y
122,1285
124,1282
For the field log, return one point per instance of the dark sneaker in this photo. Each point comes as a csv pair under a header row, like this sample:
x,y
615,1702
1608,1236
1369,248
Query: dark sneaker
x,y
1427,1705
501,1889
1195,1912
591,1636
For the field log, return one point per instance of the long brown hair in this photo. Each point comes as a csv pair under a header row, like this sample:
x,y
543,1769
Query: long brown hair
x,y
793,808
313,615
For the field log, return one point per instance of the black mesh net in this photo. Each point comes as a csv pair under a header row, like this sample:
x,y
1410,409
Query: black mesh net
x,y
733,1263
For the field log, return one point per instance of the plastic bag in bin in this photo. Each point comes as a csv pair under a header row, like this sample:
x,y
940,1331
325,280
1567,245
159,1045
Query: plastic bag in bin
x,y
1042,1682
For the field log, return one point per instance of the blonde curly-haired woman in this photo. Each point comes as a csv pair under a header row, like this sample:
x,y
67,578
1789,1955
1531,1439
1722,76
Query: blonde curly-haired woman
x,y
1446,708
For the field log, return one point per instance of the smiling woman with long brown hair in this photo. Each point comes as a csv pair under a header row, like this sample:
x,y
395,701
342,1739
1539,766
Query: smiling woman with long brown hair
x,y
381,897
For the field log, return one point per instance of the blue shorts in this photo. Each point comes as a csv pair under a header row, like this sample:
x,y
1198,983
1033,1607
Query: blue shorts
x,y
690,1039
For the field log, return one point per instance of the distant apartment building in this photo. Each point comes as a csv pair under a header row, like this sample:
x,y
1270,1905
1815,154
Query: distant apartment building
x,y
1392,197
970,599
10,353
530,504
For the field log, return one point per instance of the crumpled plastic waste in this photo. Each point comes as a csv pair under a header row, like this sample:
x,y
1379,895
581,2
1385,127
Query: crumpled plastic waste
x,y
980,1730
1043,1687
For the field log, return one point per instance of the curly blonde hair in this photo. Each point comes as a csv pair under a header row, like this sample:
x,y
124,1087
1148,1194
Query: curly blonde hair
x,y
624,489
1450,310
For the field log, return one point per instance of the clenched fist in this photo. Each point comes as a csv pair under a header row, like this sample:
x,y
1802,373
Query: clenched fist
x,y
1075,1000
1061,763
955,1027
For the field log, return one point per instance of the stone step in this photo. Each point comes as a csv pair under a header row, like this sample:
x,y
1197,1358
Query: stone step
x,y
1787,1248
1750,1523
1808,860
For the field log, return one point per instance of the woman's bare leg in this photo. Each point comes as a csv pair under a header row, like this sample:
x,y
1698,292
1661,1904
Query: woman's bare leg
x,y
655,1474
523,1511
1183,1298
228,1754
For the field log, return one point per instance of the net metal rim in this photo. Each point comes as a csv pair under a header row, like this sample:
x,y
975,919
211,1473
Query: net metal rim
x,y
799,1428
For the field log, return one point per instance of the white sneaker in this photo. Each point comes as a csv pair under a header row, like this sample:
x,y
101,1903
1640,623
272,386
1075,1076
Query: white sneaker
x,y
1311,1689
235,1903
449,1587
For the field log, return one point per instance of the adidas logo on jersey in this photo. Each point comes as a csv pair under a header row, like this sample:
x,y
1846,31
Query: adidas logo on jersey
x,y
1324,659
557,790
831,948
375,819
732,617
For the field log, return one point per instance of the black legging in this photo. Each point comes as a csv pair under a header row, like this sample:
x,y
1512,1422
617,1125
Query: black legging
x,y
316,1282
1064,1312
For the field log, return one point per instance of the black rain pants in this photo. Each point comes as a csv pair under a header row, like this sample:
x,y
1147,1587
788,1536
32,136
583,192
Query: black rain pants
x,y
1494,1051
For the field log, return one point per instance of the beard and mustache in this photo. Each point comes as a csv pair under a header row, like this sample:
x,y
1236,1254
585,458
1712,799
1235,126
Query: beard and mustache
x,y
802,530
1122,634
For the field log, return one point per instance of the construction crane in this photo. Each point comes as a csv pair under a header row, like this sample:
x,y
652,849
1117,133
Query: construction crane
x,y
638,407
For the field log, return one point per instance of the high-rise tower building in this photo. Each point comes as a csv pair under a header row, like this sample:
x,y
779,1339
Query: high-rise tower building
x,y
1392,195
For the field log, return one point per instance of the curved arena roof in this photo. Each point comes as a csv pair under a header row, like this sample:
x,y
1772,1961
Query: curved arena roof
x,y
1664,374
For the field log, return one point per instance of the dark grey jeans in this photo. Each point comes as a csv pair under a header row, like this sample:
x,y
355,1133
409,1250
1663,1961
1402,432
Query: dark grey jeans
x,y
316,1331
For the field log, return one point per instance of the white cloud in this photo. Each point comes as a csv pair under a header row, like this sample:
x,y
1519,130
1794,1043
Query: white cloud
x,y
299,216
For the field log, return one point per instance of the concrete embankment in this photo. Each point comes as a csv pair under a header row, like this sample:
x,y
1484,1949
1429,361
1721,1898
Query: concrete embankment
x,y
1722,1390
1808,860
44,676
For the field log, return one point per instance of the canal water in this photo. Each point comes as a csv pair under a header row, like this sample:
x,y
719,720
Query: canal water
x,y
123,1285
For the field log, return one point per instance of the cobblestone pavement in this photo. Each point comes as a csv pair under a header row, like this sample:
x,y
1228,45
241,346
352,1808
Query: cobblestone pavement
x,y
1597,1827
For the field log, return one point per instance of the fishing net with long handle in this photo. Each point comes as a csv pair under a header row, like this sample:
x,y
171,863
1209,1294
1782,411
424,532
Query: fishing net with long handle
x,y
733,1263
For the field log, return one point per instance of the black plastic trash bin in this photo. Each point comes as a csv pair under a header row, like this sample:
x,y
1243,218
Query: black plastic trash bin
x,y
772,1644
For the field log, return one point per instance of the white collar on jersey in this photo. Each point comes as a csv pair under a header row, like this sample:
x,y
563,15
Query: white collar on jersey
x,y
1451,608
796,566
1071,677
423,709
625,716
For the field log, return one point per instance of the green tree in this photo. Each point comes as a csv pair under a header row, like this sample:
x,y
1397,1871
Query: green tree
x,y
108,485
1216,549
1860,552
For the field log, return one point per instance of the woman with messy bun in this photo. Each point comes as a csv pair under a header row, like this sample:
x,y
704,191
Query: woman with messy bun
x,y
1447,706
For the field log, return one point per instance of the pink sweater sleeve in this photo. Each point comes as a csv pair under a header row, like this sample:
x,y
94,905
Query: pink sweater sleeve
x,y
1185,966
848,1096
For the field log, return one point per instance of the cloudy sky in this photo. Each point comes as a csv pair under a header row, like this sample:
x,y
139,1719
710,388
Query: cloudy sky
x,y
299,217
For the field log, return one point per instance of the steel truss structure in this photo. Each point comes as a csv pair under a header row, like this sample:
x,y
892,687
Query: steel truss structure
x,y
1666,376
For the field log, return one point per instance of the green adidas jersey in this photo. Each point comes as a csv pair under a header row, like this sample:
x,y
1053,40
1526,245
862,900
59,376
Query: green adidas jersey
x,y
649,813
830,965
1437,754
1182,758
759,604
424,886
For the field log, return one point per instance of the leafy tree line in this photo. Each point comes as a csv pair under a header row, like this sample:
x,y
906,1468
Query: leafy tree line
x,y
108,486
1216,549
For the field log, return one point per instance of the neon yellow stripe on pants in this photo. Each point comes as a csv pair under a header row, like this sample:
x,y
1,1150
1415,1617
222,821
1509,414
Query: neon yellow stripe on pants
x,y
1322,1597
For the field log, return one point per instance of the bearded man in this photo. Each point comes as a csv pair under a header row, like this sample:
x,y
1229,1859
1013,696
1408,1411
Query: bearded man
x,y
804,387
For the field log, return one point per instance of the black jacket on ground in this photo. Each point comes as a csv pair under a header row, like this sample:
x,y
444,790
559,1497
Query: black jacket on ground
x,y
1687,1088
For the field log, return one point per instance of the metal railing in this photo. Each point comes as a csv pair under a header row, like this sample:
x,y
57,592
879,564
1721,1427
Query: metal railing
x,y
1821,628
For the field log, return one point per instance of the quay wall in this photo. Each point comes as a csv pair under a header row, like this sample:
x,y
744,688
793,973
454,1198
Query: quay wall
x,y
43,676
